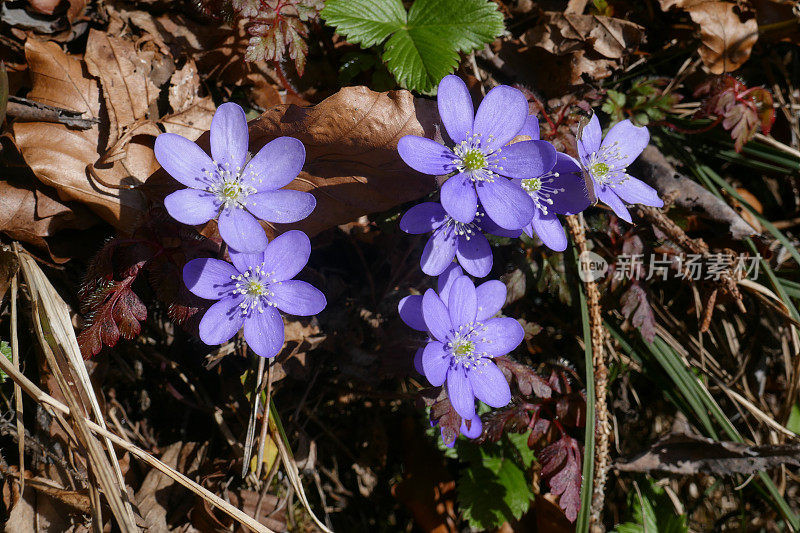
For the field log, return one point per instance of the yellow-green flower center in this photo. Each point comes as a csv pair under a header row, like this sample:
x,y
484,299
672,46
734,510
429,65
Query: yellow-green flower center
x,y
532,184
474,160
255,288
464,348
231,190
600,169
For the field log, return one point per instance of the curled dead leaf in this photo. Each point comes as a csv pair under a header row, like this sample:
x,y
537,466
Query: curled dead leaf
x,y
59,80
727,34
127,90
560,33
728,31
33,213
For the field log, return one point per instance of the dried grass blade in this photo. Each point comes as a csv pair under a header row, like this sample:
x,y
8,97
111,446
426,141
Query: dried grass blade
x,y
282,441
43,398
262,439
255,402
17,390
54,329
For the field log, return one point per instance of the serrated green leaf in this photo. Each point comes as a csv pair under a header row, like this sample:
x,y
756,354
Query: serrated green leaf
x,y
519,441
493,492
640,119
424,44
365,22
616,97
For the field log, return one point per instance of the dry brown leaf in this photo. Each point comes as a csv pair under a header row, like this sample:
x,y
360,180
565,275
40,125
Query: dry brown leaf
x,y
192,121
160,496
31,215
352,166
192,113
727,31
36,512
45,7
59,80
562,33
184,87
52,7
666,5
569,46
727,34
123,74
302,336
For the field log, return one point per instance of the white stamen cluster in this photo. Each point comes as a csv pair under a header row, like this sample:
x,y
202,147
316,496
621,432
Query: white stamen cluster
x,y
602,168
459,229
480,161
541,191
461,346
229,187
254,285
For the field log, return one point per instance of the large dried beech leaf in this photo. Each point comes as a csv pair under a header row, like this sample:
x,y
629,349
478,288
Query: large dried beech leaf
x,y
123,73
727,34
59,155
352,166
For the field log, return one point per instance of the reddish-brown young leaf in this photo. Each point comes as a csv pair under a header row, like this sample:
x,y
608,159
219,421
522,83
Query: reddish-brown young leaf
x,y
742,110
118,314
528,381
444,415
561,467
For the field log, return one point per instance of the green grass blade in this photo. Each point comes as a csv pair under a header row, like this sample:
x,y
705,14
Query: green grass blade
x,y
582,523
706,409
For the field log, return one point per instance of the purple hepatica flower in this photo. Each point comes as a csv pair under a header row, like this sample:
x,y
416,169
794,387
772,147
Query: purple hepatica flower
x,y
251,290
465,339
560,191
607,161
480,157
491,296
451,238
229,186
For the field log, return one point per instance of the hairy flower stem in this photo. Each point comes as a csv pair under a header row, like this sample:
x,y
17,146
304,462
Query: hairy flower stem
x,y
601,422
